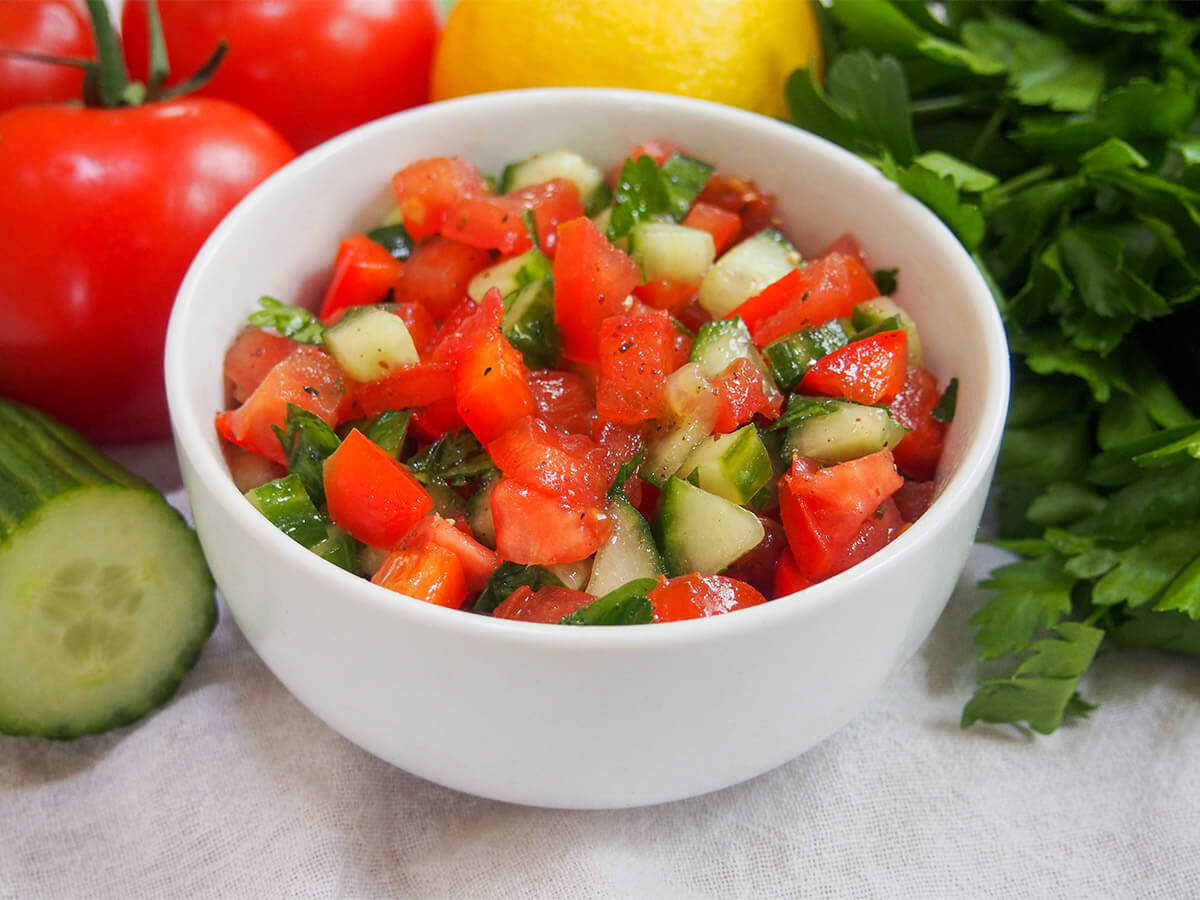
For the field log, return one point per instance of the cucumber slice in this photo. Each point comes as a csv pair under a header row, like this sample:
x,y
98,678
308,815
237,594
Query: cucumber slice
x,y
792,355
629,551
691,412
369,342
510,275
701,532
105,599
669,252
735,466
542,167
720,342
871,313
528,324
744,270
848,431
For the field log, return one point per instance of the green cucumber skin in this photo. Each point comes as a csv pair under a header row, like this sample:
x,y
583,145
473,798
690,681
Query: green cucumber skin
x,y
43,465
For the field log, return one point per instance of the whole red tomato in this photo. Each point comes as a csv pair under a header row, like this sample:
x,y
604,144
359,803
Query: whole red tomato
x,y
50,27
312,68
101,211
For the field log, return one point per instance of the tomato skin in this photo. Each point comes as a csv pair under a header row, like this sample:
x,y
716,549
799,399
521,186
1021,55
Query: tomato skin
x,y
918,452
671,296
563,399
564,465
428,572
307,377
548,604
436,420
592,278
253,353
695,596
478,562
535,528
437,274
740,396
51,27
370,495
636,354
363,273
410,386
824,289
868,371
312,68
102,212
498,223
723,225
823,510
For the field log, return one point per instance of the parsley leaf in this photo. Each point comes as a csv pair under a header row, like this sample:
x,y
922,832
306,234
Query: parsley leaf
x,y
454,460
294,322
626,605
507,578
944,411
641,195
307,441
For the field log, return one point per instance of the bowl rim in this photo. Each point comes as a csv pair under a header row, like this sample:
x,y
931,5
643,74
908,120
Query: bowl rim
x,y
203,451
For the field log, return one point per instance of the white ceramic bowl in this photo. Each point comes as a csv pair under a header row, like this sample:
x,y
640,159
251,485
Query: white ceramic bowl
x,y
581,717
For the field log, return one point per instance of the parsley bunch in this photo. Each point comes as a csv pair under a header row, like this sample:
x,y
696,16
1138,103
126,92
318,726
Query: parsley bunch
x,y
1061,142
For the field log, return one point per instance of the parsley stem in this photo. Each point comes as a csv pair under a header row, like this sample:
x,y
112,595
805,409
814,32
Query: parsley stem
x,y
988,134
934,106
1024,180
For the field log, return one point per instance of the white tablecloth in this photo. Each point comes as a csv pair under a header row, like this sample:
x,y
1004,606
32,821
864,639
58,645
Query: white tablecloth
x,y
235,789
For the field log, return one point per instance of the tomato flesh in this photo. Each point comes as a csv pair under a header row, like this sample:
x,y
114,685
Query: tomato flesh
x,y
428,572
536,528
824,289
415,385
370,495
868,371
636,353
569,466
477,561
740,396
592,278
724,226
363,273
918,452
428,189
437,273
548,604
250,357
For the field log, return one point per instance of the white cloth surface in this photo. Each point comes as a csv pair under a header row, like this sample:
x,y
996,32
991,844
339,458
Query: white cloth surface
x,y
234,789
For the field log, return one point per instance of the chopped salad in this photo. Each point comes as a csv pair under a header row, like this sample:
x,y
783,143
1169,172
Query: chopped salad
x,y
579,397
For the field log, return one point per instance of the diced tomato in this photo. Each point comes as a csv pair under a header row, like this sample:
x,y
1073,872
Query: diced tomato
x,y
307,377
592,278
847,245
436,420
723,225
740,396
824,289
421,327
742,197
533,527
426,189
564,399
251,356
918,452
363,273
428,572
569,466
694,596
478,562
419,384
620,444
636,354
444,343
657,150
249,470
438,272
491,382
824,509
670,296
757,566
548,604
788,579
913,498
498,223
868,371
370,495
879,530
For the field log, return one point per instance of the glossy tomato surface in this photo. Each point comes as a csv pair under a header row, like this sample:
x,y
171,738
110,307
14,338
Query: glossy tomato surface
x,y
102,212
51,28
312,68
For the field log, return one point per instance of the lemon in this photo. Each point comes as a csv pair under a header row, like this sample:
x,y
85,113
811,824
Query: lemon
x,y
738,52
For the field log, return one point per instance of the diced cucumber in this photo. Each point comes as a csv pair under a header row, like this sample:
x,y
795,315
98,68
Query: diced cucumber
x,y
735,466
287,506
528,324
848,431
691,412
720,342
338,548
871,313
389,430
602,219
685,178
105,598
701,532
669,252
744,270
573,575
369,342
792,355
629,551
510,275
542,167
